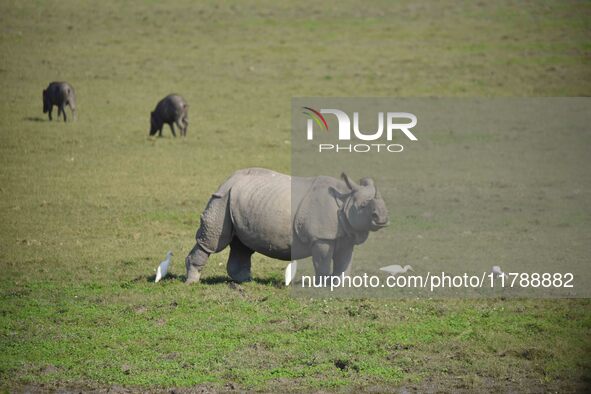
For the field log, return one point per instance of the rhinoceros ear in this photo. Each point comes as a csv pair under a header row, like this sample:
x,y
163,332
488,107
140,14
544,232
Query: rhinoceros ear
x,y
339,197
350,184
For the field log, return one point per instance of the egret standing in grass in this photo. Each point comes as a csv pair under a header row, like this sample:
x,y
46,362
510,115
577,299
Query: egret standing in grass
x,y
396,269
163,267
290,272
497,271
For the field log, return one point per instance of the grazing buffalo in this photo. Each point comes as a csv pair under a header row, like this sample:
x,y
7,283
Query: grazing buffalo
x,y
59,94
172,109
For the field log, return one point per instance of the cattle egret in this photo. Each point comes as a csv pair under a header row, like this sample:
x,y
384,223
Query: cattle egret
x,y
396,269
290,272
497,271
163,267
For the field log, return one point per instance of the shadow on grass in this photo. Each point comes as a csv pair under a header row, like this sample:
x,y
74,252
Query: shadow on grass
x,y
215,280
269,281
152,278
35,119
209,280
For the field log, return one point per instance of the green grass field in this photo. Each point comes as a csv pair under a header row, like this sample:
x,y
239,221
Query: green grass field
x,y
88,209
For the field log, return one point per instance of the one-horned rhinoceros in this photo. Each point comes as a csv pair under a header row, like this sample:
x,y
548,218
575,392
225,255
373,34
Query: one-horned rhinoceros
x,y
59,94
253,211
172,109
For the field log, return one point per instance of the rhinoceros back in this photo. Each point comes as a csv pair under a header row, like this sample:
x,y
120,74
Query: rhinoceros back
x,y
250,190
260,205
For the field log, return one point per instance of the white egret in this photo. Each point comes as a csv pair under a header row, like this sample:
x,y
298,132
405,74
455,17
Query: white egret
x,y
290,272
396,269
163,267
497,271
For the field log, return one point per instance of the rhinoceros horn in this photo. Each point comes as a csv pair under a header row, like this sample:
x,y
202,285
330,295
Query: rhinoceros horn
x,y
350,183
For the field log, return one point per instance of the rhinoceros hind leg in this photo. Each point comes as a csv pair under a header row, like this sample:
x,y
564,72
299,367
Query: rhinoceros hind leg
x,y
239,261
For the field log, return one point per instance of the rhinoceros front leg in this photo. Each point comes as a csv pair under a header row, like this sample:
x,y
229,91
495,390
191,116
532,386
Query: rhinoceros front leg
x,y
239,261
322,252
342,260
194,262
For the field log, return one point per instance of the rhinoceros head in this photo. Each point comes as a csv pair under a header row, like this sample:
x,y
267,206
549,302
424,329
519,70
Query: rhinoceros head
x,y
365,209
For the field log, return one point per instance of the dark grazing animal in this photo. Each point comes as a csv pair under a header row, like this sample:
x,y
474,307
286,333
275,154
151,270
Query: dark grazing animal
x,y
59,94
172,109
